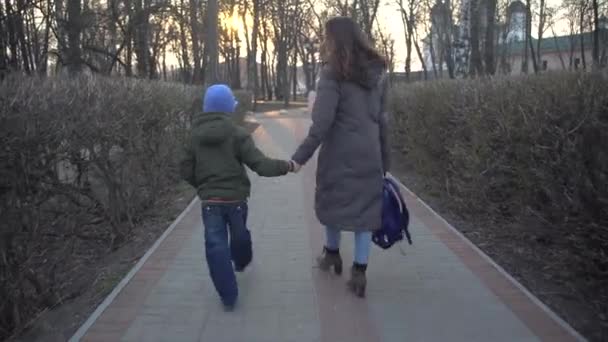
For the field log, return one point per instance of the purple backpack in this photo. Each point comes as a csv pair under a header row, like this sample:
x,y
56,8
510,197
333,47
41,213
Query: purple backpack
x,y
395,217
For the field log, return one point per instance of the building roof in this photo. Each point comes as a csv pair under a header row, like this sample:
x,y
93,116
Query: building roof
x,y
517,6
556,44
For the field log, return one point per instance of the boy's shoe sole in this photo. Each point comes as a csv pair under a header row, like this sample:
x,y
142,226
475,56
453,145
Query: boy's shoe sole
x,y
241,269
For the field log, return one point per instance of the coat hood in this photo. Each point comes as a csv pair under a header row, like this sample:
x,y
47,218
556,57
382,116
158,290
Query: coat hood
x,y
372,74
211,128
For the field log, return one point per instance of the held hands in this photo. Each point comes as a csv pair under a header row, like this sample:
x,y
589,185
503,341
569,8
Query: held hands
x,y
294,167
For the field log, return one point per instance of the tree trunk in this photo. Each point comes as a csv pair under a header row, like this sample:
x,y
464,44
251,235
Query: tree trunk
x,y
476,67
527,43
282,84
582,36
187,77
254,52
561,58
3,57
489,46
294,73
195,6
61,34
433,55
447,40
249,56
266,90
142,28
421,58
212,43
541,29
237,61
295,69
74,28
44,58
13,61
596,36
129,57
29,36
408,32
164,63
157,45
534,61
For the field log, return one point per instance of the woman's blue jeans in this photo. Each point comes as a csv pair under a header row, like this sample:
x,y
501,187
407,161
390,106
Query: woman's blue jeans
x,y
363,241
227,241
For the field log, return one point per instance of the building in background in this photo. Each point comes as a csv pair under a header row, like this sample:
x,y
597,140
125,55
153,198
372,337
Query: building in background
x,y
556,53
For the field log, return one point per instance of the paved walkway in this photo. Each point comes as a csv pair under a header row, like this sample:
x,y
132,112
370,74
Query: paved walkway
x,y
440,289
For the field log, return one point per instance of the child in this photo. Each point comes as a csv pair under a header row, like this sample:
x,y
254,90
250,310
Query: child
x,y
214,164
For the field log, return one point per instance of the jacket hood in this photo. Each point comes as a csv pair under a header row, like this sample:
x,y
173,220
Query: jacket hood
x,y
211,128
372,74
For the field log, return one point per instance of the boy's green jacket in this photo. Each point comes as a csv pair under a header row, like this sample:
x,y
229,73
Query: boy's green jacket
x,y
215,156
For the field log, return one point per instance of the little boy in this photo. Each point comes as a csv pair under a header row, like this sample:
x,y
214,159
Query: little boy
x,y
214,164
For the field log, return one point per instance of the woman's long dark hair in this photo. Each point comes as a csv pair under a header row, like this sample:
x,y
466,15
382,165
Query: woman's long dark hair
x,y
347,50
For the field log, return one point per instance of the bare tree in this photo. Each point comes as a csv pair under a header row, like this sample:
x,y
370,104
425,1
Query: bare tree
x,y
557,47
490,38
309,39
74,53
387,47
195,36
212,43
542,21
254,51
410,13
368,11
583,8
596,35
476,67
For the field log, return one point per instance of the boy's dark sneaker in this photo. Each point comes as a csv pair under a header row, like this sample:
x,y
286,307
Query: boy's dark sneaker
x,y
241,268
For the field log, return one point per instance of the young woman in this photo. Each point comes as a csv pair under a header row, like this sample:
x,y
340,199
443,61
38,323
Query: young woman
x,y
349,125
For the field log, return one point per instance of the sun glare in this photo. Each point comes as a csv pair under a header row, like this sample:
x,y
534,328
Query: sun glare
x,y
233,22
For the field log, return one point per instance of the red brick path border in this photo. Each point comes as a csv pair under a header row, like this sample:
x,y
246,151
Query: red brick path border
x,y
116,319
532,315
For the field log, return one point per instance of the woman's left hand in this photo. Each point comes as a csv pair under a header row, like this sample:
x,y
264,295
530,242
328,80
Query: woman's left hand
x,y
295,167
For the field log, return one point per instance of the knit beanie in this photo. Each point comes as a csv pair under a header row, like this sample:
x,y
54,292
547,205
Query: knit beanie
x,y
219,99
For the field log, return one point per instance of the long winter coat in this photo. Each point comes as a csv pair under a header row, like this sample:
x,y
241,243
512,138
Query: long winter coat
x,y
350,126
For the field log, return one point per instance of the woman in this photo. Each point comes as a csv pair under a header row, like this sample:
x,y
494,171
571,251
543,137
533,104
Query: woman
x,y
350,126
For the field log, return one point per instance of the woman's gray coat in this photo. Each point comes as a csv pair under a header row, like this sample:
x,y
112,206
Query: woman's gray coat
x,y
350,126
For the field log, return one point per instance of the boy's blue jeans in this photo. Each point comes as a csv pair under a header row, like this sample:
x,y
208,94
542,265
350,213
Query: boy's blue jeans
x,y
363,241
227,241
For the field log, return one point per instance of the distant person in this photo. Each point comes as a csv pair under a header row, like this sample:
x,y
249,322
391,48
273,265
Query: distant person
x,y
214,162
349,125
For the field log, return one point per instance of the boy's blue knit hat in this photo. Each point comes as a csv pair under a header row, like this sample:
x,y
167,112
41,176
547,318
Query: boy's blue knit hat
x,y
219,99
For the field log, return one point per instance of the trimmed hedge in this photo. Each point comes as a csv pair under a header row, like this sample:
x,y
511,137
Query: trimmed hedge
x,y
80,163
515,151
537,141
